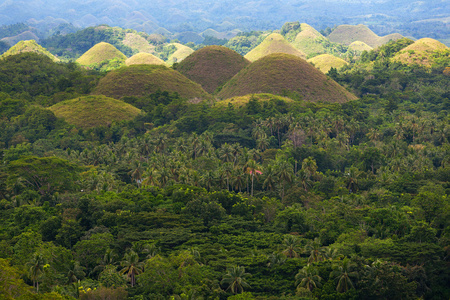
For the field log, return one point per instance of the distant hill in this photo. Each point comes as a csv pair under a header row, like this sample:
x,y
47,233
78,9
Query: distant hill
x,y
94,111
309,40
285,74
99,53
139,80
325,62
359,46
24,36
29,46
181,53
274,43
420,52
144,59
347,34
212,66
137,42
242,100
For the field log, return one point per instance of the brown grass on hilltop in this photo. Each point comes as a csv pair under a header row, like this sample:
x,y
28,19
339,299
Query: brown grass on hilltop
x,y
325,62
285,74
139,80
347,34
420,52
94,111
212,66
29,46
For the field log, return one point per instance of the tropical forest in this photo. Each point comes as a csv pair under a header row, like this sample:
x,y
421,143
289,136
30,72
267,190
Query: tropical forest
x,y
281,164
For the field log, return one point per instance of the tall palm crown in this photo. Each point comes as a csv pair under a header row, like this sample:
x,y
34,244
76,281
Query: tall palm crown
x,y
235,279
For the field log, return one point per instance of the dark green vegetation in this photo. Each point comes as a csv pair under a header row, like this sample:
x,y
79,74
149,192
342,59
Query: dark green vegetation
x,y
285,74
265,199
212,66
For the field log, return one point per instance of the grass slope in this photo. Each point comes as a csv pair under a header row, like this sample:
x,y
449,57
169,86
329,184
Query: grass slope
x,y
309,40
420,52
139,80
29,46
137,42
144,59
325,62
242,100
274,43
181,53
94,111
347,34
285,74
100,52
212,66
359,46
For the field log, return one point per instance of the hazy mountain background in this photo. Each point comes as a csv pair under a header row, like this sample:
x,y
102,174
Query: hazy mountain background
x,y
430,18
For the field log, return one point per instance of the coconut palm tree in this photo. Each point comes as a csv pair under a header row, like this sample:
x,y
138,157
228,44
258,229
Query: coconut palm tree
x,y
343,272
131,266
35,269
315,250
254,170
235,279
291,245
308,278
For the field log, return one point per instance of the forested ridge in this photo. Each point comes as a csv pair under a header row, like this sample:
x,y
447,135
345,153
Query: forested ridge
x,y
267,199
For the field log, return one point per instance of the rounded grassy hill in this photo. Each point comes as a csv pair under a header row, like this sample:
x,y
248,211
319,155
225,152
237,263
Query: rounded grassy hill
x,y
309,40
274,43
421,52
94,111
181,53
212,66
144,59
99,53
285,74
29,46
359,46
139,80
325,62
243,100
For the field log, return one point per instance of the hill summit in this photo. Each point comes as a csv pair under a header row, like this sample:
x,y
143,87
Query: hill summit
x,y
274,43
29,46
421,52
285,74
325,62
99,53
94,111
139,80
144,59
212,66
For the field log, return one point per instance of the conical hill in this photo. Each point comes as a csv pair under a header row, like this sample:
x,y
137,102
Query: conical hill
x,y
181,53
359,46
325,62
421,52
285,74
100,52
144,59
274,43
139,80
29,46
94,111
212,66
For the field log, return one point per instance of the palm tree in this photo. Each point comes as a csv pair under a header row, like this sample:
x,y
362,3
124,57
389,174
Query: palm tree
x,y
285,174
136,172
226,153
269,181
235,279
75,271
276,259
132,266
343,272
315,250
292,246
253,170
35,269
308,277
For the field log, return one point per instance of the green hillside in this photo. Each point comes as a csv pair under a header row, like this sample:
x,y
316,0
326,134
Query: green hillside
x,y
144,59
212,66
285,74
325,62
139,80
29,46
274,43
422,52
93,111
99,53
180,53
239,101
